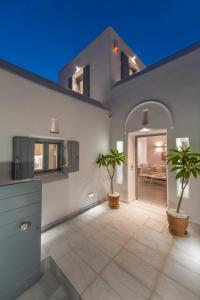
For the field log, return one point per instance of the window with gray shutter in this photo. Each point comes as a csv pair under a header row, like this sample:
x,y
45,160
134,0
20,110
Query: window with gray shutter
x,y
23,158
124,66
86,81
73,156
32,156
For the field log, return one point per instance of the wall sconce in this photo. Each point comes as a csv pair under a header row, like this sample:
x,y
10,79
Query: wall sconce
x,y
145,121
133,58
77,69
115,47
159,147
54,128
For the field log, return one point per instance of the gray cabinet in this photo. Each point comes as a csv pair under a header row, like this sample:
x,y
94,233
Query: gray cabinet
x,y
20,237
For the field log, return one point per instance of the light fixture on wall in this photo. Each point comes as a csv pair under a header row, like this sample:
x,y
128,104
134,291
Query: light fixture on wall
x,y
115,47
145,121
54,127
159,147
77,69
133,58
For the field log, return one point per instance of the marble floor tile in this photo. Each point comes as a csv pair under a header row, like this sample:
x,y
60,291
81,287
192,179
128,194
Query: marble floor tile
x,y
155,224
183,275
151,256
100,290
152,239
169,289
124,284
75,238
77,271
138,268
103,242
92,255
59,249
115,235
155,296
125,226
132,251
191,262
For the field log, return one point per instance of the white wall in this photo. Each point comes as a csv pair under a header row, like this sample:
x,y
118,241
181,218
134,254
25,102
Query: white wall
x,y
105,66
142,150
116,58
154,152
98,57
176,84
26,110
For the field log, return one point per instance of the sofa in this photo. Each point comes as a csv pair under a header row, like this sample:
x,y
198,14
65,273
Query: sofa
x,y
153,171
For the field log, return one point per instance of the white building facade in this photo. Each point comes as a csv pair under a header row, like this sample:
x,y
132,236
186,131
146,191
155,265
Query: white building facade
x,y
100,100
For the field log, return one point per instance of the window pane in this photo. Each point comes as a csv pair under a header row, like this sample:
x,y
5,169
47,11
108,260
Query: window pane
x,y
77,81
38,157
53,156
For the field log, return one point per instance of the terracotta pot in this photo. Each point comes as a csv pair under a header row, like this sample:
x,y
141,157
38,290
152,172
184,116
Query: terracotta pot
x,y
113,200
177,226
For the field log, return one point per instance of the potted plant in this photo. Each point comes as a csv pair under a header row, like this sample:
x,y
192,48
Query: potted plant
x,y
186,164
110,161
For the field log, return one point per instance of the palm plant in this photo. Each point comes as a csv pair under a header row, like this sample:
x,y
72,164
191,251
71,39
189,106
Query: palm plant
x,y
186,164
111,161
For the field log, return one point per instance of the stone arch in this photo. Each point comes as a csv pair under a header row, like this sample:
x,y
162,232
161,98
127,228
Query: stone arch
x,y
146,103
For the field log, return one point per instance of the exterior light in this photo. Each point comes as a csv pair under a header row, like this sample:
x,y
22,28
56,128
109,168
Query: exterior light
x,y
91,195
115,47
144,129
133,59
77,69
54,128
145,121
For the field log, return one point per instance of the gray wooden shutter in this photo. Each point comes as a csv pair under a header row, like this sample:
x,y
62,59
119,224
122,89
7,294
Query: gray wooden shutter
x,y
70,83
73,156
23,158
124,66
86,81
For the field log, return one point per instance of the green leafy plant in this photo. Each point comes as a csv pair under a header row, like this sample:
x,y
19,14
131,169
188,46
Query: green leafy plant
x,y
111,161
186,163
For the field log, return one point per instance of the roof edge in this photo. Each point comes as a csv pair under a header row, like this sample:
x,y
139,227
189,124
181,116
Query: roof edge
x,y
12,68
158,64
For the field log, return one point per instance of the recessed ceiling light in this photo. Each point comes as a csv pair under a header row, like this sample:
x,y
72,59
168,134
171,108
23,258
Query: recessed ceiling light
x,y
144,129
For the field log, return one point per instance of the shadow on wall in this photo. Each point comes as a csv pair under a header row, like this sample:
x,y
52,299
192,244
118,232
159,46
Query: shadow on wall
x,y
6,175
5,172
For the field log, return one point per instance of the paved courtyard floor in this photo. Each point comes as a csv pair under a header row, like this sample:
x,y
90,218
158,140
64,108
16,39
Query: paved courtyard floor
x,y
126,254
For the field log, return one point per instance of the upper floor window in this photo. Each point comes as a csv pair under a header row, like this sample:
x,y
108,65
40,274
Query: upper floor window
x,y
128,66
77,81
131,68
80,81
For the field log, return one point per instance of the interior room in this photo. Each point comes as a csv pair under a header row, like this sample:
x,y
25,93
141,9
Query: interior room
x,y
151,169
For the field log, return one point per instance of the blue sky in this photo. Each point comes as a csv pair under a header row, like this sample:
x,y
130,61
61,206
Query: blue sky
x,y
43,35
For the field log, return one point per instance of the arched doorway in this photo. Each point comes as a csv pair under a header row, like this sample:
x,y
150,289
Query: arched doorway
x,y
146,169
